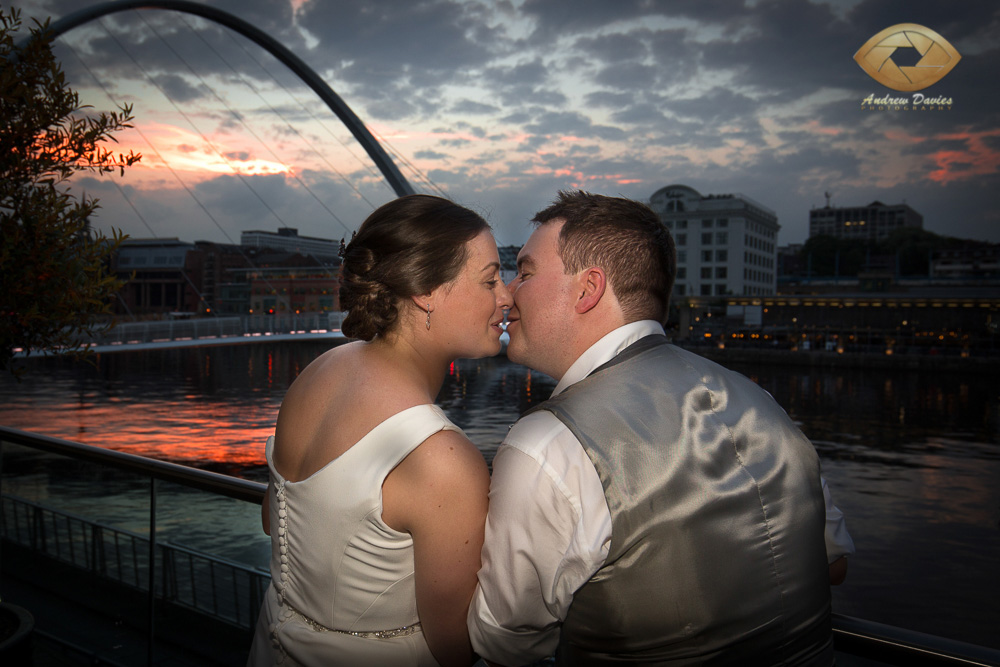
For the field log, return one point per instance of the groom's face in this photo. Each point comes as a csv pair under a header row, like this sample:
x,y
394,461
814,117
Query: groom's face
x,y
540,320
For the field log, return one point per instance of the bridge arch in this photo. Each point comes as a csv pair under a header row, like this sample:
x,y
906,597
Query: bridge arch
x,y
382,160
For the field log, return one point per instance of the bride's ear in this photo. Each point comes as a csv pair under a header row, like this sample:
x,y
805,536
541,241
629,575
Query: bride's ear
x,y
424,302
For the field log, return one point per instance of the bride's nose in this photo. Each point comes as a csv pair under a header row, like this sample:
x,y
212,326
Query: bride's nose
x,y
504,298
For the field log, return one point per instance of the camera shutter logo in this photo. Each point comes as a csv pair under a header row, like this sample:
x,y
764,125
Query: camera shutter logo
x,y
937,57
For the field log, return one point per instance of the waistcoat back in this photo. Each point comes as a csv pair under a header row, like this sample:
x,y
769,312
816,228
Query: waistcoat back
x,y
717,553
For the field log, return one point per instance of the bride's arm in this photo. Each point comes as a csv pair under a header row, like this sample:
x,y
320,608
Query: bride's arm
x,y
439,494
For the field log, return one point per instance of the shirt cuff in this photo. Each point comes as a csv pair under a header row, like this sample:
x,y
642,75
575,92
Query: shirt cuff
x,y
505,646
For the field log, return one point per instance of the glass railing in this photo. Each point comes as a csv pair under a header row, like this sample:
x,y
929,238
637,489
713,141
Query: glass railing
x,y
178,554
154,548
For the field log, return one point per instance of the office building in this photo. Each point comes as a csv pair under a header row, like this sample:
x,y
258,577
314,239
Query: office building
x,y
287,239
873,222
726,244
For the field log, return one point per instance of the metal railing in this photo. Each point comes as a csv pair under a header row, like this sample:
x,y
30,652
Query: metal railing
x,y
201,328
200,582
216,587
884,644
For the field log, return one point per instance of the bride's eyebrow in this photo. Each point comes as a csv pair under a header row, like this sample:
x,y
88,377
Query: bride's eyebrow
x,y
492,266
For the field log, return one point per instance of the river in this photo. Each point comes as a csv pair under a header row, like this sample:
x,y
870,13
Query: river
x,y
913,459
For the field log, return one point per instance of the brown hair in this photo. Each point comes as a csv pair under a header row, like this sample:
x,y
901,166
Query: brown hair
x,y
627,240
406,247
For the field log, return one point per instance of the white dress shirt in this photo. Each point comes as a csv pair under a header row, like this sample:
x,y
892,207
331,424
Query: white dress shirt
x,y
549,528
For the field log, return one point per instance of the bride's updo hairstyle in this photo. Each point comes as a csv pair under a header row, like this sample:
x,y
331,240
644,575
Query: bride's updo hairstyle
x,y
409,246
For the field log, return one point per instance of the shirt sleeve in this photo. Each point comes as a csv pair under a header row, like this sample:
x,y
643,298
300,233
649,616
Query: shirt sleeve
x,y
838,540
543,541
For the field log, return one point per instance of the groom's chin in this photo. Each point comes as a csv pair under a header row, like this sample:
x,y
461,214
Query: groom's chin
x,y
514,351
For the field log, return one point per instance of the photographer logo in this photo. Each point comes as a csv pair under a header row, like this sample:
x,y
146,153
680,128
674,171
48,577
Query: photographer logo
x,y
907,57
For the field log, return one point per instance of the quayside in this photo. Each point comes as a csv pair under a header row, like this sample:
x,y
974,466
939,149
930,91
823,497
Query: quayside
x,y
104,589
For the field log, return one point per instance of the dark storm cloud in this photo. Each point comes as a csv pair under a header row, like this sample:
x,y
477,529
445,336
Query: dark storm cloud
x,y
178,89
628,76
530,73
467,107
613,49
487,158
639,114
569,123
640,59
608,99
756,97
934,145
952,20
787,47
372,44
557,17
716,106
126,43
528,82
430,155
677,55
845,164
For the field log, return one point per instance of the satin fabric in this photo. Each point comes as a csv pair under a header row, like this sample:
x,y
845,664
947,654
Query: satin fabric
x,y
717,553
336,567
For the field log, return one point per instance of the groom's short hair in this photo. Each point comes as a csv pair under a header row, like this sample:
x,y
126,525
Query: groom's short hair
x,y
623,237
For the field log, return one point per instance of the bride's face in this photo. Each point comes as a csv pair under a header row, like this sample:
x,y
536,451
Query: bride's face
x,y
469,310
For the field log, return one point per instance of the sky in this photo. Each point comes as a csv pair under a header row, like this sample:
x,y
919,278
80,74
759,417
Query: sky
x,y
499,104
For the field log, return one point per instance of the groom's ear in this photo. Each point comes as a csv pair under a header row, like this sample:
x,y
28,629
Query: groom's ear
x,y
591,284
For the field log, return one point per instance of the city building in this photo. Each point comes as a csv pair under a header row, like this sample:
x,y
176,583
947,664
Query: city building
x,y
211,265
168,277
970,261
726,244
284,283
157,279
508,262
873,222
288,240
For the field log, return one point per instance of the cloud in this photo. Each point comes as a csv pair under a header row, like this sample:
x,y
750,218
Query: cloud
x,y
503,103
471,107
430,155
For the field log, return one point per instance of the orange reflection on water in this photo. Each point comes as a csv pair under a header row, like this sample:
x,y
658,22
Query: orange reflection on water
x,y
186,430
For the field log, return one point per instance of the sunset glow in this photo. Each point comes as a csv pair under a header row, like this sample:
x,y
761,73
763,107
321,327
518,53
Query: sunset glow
x,y
494,112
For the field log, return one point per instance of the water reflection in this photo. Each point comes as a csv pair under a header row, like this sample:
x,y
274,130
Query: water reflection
x,y
913,459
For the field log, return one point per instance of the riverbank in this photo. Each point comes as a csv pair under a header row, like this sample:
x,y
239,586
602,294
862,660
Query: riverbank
x,y
831,359
988,362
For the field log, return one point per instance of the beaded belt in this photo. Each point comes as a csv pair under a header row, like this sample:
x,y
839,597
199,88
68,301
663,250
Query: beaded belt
x,y
404,631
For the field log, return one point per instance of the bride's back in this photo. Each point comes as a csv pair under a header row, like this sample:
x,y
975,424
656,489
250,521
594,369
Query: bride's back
x,y
338,399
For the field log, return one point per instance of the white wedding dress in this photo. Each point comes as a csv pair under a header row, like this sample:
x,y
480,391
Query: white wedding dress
x,y
342,588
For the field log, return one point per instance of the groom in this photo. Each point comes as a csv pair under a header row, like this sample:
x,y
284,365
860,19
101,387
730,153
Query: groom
x,y
658,508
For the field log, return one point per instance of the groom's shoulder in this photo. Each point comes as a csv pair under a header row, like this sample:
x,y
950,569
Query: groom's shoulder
x,y
535,433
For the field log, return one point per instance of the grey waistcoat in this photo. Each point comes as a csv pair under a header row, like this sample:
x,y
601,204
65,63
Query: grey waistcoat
x,y
717,554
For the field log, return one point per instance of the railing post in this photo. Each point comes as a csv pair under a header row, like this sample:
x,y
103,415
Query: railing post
x,y
38,531
152,570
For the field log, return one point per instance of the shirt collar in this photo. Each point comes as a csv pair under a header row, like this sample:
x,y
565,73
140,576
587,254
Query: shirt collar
x,y
606,349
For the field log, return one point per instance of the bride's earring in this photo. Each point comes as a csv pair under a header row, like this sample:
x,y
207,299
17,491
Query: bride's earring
x,y
428,317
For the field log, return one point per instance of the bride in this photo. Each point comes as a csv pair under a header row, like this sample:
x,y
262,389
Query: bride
x,y
376,502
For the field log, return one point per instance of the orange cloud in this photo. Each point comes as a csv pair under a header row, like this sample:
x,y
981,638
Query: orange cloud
x,y
977,159
814,126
